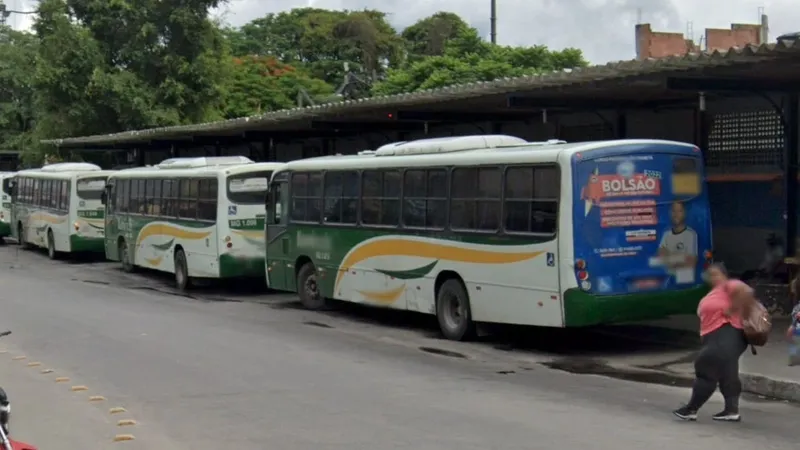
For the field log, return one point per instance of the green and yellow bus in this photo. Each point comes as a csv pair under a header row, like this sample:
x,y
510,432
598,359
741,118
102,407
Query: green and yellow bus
x,y
193,217
495,229
58,207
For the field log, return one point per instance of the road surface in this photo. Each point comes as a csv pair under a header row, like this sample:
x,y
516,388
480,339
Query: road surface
x,y
206,375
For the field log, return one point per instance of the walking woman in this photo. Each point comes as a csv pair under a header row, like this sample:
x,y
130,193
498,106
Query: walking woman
x,y
723,342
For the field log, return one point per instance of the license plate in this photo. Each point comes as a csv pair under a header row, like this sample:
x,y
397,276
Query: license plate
x,y
647,283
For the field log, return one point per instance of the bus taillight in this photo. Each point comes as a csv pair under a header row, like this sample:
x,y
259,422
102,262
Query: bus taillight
x,y
583,275
228,242
709,257
77,226
580,264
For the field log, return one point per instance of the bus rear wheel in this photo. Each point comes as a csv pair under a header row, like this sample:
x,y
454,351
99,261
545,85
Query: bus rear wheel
x,y
51,246
453,311
308,289
182,280
125,256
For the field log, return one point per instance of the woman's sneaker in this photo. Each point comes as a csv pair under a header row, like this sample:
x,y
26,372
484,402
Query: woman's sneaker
x,y
685,413
727,416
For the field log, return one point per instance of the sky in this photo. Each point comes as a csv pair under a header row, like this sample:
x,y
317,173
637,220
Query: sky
x,y
603,29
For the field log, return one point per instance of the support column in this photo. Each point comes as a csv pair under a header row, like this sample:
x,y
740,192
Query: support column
x,y
792,118
622,125
702,127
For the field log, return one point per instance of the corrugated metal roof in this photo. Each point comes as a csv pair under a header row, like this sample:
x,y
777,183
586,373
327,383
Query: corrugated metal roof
x,y
614,70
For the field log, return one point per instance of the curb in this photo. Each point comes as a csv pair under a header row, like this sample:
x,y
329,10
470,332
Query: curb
x,y
771,387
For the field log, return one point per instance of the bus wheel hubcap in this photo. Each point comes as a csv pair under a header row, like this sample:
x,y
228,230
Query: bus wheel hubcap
x,y
311,287
454,314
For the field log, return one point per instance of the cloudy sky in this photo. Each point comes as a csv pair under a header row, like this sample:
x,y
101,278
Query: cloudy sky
x,y
603,29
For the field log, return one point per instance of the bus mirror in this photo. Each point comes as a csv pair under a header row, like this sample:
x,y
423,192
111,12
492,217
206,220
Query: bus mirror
x,y
268,199
103,197
8,186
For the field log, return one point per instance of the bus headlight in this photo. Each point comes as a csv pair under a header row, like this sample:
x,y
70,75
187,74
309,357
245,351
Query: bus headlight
x,y
228,242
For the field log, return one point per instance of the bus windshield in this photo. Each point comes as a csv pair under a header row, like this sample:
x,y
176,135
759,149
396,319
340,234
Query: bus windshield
x,y
91,188
642,220
248,188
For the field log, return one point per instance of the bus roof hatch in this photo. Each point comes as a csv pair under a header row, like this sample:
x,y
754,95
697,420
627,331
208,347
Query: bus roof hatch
x,y
448,145
203,161
70,167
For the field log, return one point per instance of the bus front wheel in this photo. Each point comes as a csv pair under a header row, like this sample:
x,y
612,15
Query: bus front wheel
x,y
308,289
51,246
125,256
453,311
182,280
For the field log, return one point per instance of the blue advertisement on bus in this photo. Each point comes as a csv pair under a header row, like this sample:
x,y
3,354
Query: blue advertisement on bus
x,y
641,218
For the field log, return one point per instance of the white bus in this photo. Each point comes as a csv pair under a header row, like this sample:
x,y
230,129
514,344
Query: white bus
x,y
194,217
5,206
58,207
496,229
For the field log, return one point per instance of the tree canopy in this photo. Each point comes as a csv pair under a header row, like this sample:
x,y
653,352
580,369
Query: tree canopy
x,y
104,66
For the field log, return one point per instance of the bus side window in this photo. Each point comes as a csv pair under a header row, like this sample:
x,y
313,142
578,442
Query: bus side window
x,y
207,202
64,200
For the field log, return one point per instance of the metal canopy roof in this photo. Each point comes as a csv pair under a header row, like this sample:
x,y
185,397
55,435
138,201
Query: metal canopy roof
x,y
632,81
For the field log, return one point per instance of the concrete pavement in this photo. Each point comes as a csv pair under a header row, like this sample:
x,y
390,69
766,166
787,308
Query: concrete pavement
x,y
210,375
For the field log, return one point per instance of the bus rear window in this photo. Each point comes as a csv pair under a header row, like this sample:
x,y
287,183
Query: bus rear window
x,y
248,188
686,177
91,188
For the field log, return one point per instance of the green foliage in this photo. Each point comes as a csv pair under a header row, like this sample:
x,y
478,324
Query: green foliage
x,y
104,66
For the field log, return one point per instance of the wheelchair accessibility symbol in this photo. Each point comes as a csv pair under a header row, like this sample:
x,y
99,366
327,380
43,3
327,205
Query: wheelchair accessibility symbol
x,y
551,259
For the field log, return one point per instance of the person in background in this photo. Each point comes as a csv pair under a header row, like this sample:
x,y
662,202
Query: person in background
x,y
793,335
721,314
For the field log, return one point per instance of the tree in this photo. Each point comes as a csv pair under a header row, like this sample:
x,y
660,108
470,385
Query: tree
x,y
466,58
262,83
321,41
431,35
17,63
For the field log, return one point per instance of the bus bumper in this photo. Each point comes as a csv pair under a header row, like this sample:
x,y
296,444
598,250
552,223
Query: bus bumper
x,y
585,309
79,244
241,266
5,229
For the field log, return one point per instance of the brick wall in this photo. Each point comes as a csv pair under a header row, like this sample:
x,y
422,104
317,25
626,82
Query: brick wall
x,y
656,44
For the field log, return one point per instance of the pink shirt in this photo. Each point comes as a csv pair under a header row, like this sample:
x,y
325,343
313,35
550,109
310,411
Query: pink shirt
x,y
712,307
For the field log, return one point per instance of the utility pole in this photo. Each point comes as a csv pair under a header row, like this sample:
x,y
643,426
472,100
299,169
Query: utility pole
x,y
493,19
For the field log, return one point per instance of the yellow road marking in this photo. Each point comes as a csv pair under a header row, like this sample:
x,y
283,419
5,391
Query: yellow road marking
x,y
47,370
117,410
34,364
62,379
79,388
126,422
19,358
123,437
96,398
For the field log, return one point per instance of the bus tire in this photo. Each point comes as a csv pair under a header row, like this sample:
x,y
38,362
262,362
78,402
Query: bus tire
x,y
125,256
182,280
51,246
308,289
453,311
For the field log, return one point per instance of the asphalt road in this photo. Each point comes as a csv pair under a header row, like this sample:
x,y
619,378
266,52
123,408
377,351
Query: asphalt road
x,y
199,374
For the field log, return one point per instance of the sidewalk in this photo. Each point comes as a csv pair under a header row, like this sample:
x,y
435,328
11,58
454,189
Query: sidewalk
x,y
767,373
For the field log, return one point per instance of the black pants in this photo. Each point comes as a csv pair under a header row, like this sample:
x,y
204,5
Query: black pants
x,y
717,364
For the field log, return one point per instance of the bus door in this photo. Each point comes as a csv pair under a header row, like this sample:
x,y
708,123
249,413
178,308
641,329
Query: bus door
x,y
642,220
279,275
